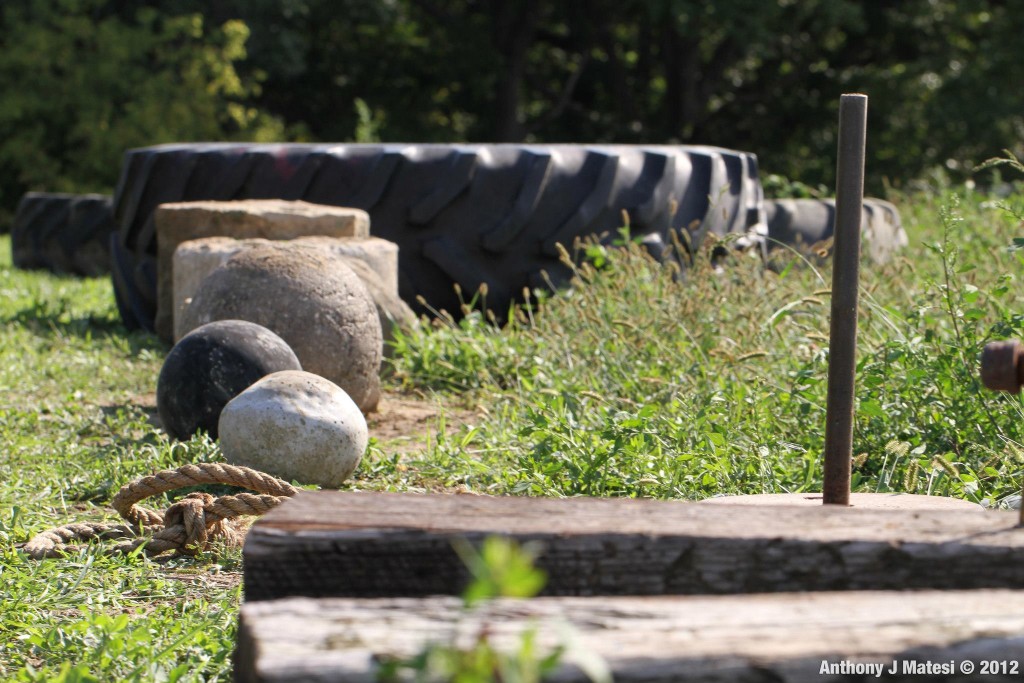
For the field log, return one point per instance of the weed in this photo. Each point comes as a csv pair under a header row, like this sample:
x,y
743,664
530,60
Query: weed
x,y
499,569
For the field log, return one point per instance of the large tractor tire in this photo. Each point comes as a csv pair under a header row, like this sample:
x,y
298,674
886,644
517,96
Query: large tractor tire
x,y
809,222
466,214
63,233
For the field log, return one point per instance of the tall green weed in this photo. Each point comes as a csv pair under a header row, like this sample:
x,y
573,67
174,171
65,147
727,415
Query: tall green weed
x,y
636,381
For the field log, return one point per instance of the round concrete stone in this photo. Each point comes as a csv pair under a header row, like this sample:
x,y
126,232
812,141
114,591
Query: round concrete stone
x,y
862,501
392,312
297,426
313,300
209,367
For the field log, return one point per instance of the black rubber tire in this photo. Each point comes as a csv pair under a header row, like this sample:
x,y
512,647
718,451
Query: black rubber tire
x,y
63,233
465,214
808,222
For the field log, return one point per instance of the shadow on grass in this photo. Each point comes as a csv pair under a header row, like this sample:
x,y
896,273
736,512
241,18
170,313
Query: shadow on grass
x,y
44,321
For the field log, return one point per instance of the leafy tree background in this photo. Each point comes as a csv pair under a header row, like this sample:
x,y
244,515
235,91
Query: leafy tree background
x,y
83,80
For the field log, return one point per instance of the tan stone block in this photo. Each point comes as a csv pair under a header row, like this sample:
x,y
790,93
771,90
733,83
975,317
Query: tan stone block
x,y
273,219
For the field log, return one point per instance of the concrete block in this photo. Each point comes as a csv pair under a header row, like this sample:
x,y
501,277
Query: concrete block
x,y
273,219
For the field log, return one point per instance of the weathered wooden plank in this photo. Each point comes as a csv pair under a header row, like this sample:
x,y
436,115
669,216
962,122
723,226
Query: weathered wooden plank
x,y
389,545
783,638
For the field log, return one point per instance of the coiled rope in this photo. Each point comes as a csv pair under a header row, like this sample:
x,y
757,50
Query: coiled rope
x,y
187,527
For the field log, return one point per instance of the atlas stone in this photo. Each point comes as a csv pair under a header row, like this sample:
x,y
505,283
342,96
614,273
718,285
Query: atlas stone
x,y
297,426
374,260
274,219
312,300
212,365
392,312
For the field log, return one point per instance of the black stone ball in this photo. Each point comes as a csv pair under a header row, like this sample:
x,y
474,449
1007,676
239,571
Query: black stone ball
x,y
211,365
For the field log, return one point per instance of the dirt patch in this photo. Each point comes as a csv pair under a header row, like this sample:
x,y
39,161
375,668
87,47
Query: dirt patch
x,y
204,583
404,422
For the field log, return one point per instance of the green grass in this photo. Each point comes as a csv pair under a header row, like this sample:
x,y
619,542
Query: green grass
x,y
634,382
71,433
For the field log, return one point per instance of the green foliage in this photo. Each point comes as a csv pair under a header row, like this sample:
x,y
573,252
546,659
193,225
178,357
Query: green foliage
x,y
956,436
500,569
158,646
86,79
636,382
940,74
1008,159
72,431
82,84
780,187
369,123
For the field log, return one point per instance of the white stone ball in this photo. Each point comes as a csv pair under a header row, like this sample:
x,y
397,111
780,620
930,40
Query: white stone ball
x,y
297,426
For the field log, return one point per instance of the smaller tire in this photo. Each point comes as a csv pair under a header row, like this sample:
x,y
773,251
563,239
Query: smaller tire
x,y
63,233
807,222
127,274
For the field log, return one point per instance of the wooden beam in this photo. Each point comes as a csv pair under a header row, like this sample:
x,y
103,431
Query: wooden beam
x,y
338,544
782,637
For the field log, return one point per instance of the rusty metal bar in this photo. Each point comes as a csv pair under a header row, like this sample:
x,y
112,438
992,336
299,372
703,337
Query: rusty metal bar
x,y
1002,369
853,117
1002,366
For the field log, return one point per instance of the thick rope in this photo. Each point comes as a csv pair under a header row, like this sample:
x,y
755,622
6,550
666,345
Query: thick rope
x,y
187,527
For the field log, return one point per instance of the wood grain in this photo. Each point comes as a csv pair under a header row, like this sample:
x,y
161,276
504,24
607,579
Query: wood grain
x,y
329,543
782,638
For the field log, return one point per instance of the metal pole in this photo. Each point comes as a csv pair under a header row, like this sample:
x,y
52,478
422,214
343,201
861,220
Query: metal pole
x,y
853,117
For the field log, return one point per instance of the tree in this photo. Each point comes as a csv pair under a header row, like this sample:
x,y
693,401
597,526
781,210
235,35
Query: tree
x,y
82,83
85,79
759,75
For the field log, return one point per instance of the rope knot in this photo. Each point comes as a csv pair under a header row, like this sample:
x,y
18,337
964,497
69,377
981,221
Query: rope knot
x,y
188,525
190,513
